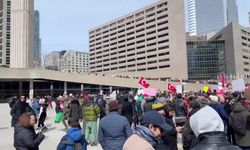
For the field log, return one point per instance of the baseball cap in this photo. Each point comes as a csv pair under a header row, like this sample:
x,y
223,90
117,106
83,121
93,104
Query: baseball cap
x,y
155,118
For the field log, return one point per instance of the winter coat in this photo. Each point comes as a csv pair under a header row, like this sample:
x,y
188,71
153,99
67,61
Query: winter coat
x,y
180,108
169,140
75,109
214,141
188,137
91,111
114,130
241,140
26,138
127,111
74,135
135,142
221,111
18,109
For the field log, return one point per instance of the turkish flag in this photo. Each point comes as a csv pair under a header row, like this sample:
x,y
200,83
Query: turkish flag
x,y
171,88
143,82
223,80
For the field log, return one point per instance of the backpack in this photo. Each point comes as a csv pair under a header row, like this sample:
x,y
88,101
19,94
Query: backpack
x,y
74,109
239,123
76,145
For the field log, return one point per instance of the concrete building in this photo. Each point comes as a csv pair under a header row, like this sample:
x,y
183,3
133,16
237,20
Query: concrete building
x,y
207,16
149,42
22,34
5,28
237,49
75,62
206,58
52,61
37,40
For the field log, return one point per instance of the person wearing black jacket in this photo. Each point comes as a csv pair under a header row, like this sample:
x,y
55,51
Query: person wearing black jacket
x,y
127,110
18,109
25,137
188,138
208,126
169,139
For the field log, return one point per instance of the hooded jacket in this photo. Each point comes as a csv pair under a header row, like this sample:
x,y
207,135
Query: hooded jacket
x,y
74,135
208,126
241,140
26,138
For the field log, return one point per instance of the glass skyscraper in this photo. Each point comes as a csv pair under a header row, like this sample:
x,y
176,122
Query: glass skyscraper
x,y
210,15
206,59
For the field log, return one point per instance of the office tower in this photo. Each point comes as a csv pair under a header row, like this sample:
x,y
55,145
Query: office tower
x,y
207,16
22,34
5,28
75,62
52,61
149,42
37,40
237,47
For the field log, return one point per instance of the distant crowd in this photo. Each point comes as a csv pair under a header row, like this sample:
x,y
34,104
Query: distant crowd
x,y
128,121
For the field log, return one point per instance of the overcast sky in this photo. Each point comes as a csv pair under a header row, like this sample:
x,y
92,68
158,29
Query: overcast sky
x,y
64,24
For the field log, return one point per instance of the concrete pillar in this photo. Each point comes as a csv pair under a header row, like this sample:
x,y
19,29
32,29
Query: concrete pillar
x,y
110,89
31,92
65,87
20,88
51,89
100,89
81,88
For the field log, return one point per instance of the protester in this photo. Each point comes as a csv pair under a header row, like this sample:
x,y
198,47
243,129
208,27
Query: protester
x,y
127,110
43,113
209,128
91,113
25,137
146,136
189,140
75,109
114,129
180,108
169,140
239,120
18,109
65,108
74,139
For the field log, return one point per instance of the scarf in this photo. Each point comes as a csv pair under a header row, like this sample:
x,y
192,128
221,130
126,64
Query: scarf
x,y
146,134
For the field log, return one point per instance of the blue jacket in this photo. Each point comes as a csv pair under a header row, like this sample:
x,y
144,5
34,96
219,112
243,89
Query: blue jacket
x,y
219,108
114,130
73,135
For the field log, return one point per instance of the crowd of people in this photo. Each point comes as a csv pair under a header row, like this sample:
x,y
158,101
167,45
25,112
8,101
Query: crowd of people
x,y
126,121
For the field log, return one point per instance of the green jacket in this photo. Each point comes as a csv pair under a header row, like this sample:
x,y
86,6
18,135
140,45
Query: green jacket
x,y
91,112
241,140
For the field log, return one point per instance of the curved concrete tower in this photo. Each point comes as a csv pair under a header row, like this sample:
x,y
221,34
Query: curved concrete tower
x,y
22,34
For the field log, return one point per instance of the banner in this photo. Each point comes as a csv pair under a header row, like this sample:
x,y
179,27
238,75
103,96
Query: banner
x,y
179,88
150,91
143,82
238,85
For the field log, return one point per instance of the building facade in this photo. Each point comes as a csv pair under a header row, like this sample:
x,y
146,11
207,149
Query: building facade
x,y
221,13
5,29
237,49
22,34
52,61
37,40
75,62
206,59
149,42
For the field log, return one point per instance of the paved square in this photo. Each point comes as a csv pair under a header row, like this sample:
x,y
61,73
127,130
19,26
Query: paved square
x,y
52,136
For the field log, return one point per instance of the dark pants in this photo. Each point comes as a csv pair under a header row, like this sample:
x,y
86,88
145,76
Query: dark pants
x,y
245,148
42,119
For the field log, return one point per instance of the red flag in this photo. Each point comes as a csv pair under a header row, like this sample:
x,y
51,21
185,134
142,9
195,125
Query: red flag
x,y
171,88
143,82
223,80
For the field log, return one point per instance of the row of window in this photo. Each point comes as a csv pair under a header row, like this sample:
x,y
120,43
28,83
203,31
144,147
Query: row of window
x,y
129,66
